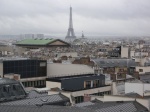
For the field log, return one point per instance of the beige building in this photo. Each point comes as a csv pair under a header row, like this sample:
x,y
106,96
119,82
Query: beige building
x,y
124,52
60,69
143,70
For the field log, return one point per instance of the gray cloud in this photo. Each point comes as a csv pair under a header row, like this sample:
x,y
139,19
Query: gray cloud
x,y
95,17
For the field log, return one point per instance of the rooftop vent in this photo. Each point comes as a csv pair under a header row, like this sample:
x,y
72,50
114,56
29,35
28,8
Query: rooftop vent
x,y
44,100
39,105
119,101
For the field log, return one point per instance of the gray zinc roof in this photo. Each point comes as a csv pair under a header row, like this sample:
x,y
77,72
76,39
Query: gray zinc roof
x,y
98,106
45,108
127,107
114,62
4,81
48,99
145,78
35,94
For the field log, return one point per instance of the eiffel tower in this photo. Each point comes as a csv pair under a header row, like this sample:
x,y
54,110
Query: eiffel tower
x,y
70,33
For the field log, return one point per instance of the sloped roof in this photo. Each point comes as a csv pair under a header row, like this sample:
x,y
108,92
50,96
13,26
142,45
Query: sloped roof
x,y
7,81
44,108
99,106
47,99
35,41
35,94
41,42
11,89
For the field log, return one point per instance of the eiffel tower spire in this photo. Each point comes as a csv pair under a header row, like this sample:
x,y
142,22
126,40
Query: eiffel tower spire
x,y
70,33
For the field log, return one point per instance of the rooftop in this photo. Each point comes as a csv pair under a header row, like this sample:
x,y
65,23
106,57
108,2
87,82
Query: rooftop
x,y
42,42
44,108
12,58
36,98
35,41
71,77
114,62
4,81
118,106
11,89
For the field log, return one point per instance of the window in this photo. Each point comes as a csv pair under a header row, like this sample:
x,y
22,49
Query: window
x,y
35,83
6,88
96,83
16,87
101,94
103,82
121,70
79,99
29,83
88,84
42,64
140,70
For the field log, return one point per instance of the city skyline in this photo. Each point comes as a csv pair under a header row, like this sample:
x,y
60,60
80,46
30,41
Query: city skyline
x,y
113,17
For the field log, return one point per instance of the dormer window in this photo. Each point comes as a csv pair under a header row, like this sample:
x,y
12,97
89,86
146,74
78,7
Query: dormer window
x,y
16,87
6,88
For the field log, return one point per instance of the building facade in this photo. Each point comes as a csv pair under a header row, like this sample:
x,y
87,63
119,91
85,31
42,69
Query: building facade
x,y
79,86
32,73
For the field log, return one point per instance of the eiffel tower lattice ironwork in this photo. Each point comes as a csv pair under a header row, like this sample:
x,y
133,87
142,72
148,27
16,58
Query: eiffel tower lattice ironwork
x,y
70,33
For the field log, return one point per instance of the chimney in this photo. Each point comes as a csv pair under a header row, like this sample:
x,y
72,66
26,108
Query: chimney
x,y
87,97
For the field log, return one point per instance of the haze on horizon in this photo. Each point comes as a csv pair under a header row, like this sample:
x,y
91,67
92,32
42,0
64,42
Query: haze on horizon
x,y
94,17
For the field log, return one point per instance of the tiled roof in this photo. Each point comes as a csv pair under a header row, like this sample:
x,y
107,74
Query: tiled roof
x,y
45,108
133,95
98,106
35,94
48,99
84,104
126,107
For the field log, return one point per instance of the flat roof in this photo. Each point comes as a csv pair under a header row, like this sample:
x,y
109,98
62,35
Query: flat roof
x,y
59,79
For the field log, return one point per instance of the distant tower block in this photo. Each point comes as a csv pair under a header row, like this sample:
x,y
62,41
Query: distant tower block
x,y
82,34
70,33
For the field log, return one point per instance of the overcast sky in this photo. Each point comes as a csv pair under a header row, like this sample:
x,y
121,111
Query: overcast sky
x,y
94,17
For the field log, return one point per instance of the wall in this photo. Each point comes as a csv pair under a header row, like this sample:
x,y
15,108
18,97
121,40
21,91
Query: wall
x,y
26,68
78,82
69,96
50,84
91,91
145,69
1,69
139,88
59,69
134,87
114,89
118,68
117,98
124,52
132,54
141,61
